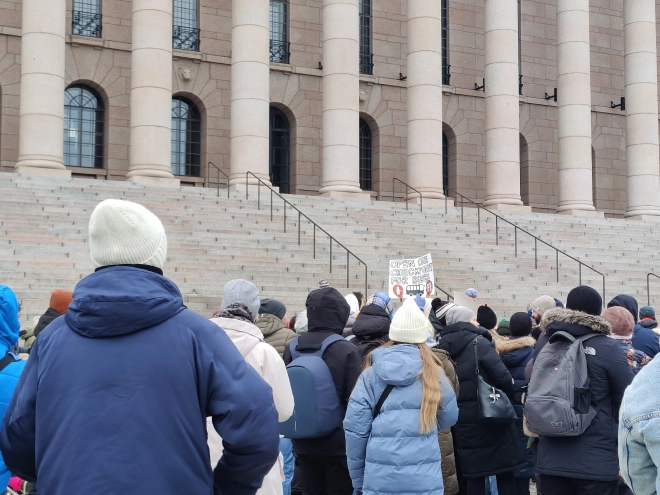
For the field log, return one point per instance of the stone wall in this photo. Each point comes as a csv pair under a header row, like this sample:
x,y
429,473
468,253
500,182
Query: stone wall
x,y
104,64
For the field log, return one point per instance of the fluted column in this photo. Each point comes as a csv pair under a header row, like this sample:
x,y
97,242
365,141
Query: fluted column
x,y
641,79
424,28
250,90
574,106
151,93
502,104
41,147
341,105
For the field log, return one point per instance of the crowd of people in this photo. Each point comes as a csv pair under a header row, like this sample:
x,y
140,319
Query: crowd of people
x,y
119,388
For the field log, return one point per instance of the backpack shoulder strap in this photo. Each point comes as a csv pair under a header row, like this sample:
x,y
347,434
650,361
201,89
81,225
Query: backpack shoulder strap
x,y
329,341
565,335
293,344
382,399
7,360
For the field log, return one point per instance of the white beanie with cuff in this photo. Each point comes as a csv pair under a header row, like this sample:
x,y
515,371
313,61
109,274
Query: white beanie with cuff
x,y
409,325
126,233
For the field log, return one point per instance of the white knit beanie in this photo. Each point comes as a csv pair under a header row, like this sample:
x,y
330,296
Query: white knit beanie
x,y
409,326
125,233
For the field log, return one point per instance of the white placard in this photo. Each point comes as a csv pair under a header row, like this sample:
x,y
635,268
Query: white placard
x,y
411,277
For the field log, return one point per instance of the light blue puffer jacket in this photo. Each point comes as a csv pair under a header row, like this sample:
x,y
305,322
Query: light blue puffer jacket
x,y
9,328
388,455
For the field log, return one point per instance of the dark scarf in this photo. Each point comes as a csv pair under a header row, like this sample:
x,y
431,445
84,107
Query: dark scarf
x,y
236,311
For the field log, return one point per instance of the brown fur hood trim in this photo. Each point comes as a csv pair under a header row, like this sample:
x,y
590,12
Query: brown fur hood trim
x,y
559,315
504,344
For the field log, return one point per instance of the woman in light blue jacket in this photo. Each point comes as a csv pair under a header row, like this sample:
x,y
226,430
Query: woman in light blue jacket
x,y
394,448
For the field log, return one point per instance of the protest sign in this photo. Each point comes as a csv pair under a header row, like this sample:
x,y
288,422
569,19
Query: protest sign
x,y
411,277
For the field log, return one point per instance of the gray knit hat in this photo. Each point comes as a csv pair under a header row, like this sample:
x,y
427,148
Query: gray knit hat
x,y
241,291
459,314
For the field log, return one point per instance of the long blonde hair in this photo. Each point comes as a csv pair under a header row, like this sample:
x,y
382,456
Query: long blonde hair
x,y
430,376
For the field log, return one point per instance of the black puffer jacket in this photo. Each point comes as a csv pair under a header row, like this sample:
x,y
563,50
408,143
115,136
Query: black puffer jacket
x,y
592,455
46,319
327,312
371,329
515,354
481,449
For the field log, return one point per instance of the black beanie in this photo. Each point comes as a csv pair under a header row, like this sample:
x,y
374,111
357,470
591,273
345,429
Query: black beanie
x,y
486,317
585,299
272,307
520,325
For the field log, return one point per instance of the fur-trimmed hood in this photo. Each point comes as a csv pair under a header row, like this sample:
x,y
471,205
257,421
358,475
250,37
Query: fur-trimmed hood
x,y
506,344
568,316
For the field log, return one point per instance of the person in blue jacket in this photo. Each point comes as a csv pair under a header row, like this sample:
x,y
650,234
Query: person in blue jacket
x,y
397,450
115,395
12,367
644,339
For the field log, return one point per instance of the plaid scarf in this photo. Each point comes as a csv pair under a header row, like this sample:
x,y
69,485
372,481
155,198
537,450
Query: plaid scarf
x,y
382,300
236,311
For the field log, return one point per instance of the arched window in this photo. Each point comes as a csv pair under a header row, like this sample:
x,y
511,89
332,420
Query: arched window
x,y
520,74
365,156
525,192
186,138
279,149
445,163
86,18
366,57
279,31
185,29
446,68
83,128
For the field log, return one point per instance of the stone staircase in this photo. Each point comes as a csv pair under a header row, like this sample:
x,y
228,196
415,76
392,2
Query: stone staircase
x,y
43,245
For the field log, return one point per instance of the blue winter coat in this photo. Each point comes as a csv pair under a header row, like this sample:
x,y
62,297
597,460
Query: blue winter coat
x,y
9,328
115,396
644,339
388,454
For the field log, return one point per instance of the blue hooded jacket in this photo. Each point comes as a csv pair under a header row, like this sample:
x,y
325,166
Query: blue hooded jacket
x,y
9,328
388,454
115,396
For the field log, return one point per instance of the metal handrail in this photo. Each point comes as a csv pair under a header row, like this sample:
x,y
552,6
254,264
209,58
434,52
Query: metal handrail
x,y
407,187
208,173
301,215
515,231
648,286
444,292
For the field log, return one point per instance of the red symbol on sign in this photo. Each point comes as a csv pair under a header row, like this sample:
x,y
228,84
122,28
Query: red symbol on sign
x,y
429,288
398,291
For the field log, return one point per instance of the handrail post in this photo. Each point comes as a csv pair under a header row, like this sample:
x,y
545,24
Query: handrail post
x,y
284,208
478,220
271,205
366,280
580,272
557,253
446,192
258,195
536,256
461,209
406,197
208,175
314,240
604,291
348,267
392,194
247,189
497,231
515,238
218,185
421,204
299,217
648,289
330,254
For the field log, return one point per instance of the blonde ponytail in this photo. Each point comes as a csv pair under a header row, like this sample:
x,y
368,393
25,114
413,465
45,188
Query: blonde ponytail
x,y
430,376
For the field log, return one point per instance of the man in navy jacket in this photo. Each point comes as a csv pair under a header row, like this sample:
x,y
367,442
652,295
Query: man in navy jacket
x,y
115,395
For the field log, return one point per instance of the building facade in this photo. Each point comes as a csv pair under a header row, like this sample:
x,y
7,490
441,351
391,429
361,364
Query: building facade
x,y
516,103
